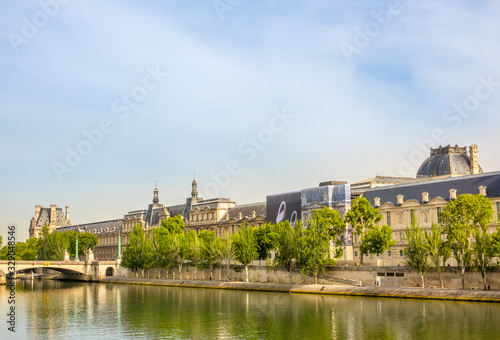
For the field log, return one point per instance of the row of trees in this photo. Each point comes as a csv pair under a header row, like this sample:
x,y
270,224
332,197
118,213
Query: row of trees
x,y
169,247
462,234
51,246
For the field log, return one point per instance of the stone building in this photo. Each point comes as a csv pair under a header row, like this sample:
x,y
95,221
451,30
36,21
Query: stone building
x,y
425,200
52,217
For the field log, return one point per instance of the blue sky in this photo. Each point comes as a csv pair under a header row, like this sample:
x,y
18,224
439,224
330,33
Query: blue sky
x,y
255,97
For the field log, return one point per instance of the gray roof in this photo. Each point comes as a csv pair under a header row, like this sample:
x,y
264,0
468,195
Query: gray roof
x,y
45,217
438,188
246,211
96,227
443,161
175,210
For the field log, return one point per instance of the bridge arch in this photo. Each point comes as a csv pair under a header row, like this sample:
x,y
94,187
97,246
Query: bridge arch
x,y
110,271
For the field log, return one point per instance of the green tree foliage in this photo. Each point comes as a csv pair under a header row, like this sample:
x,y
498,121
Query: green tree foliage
x,y
174,224
314,249
286,238
210,250
377,240
1,240
361,217
265,239
331,220
26,251
139,253
53,245
245,246
416,251
195,259
85,241
462,218
163,251
438,251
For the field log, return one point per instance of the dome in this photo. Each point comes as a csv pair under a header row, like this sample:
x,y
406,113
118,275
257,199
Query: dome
x,y
449,161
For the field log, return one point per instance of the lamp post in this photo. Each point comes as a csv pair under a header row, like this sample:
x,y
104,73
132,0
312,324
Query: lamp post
x,y
345,257
76,249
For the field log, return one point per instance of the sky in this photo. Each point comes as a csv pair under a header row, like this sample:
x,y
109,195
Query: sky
x,y
100,100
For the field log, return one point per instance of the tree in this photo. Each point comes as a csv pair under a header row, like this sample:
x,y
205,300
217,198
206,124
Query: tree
x,y
461,219
265,239
286,238
362,216
27,251
377,240
209,249
315,249
85,241
53,245
245,246
174,224
227,253
1,240
483,252
416,251
194,254
139,251
438,251
163,251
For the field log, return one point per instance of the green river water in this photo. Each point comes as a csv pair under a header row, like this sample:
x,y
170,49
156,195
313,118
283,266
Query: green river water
x,y
78,310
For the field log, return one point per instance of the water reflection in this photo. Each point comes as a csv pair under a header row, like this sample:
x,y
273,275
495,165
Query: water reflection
x,y
61,310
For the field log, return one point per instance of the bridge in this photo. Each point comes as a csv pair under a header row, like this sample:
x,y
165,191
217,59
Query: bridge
x,y
70,270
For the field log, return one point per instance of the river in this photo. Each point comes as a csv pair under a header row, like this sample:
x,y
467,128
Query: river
x,y
79,310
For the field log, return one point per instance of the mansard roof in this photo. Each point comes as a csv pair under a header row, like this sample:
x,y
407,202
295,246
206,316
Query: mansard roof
x,y
45,217
246,211
438,188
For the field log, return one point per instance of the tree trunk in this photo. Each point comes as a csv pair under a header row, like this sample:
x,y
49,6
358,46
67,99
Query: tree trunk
x,y
290,274
220,273
423,282
441,278
462,274
246,271
180,271
316,279
361,259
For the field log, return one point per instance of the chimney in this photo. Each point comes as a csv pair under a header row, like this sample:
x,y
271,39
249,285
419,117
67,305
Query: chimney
x,y
68,222
53,208
453,194
376,202
254,214
482,190
474,164
240,215
425,197
38,209
400,199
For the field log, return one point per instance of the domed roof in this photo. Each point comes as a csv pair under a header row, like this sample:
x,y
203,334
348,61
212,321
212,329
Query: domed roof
x,y
446,161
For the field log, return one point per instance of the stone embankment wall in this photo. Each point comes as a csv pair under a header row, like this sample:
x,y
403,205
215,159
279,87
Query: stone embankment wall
x,y
386,276
406,277
261,274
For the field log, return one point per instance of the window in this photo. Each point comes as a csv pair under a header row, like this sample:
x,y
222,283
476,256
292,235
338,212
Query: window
x,y
412,214
389,218
401,236
355,254
401,253
400,274
439,214
389,253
